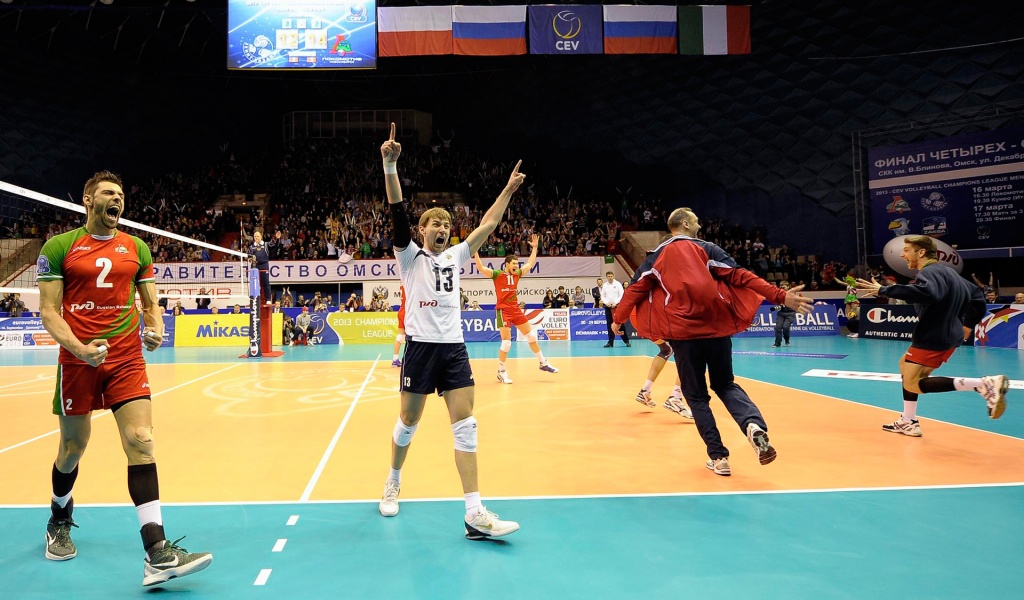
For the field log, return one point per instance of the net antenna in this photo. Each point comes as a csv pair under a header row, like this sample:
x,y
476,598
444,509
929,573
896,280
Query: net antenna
x,y
28,218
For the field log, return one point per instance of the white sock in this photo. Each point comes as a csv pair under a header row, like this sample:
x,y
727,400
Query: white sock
x,y
677,391
909,411
394,357
969,384
501,365
473,503
540,357
149,513
647,386
396,475
62,501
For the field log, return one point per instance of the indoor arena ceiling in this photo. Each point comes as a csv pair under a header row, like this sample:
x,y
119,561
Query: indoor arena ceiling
x,y
776,122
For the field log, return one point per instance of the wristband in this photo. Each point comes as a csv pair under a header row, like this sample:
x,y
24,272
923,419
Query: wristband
x,y
390,168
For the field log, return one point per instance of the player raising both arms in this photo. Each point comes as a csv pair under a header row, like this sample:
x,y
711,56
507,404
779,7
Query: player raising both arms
x,y
506,284
87,283
436,359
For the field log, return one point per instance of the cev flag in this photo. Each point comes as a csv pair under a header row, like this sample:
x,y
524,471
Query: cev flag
x,y
566,29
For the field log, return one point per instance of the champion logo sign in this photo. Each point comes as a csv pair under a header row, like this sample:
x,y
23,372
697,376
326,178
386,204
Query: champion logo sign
x,y
882,315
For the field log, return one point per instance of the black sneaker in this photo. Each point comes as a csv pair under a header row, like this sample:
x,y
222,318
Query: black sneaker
x,y
609,344
58,539
173,561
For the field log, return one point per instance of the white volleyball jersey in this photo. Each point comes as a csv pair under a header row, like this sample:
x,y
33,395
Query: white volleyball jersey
x,y
432,310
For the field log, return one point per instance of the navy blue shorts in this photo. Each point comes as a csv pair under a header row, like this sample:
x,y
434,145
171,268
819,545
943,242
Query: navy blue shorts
x,y
428,367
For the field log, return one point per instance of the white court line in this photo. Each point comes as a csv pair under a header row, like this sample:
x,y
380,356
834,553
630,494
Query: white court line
x,y
292,520
877,377
337,434
35,380
106,412
1015,384
279,545
375,501
262,578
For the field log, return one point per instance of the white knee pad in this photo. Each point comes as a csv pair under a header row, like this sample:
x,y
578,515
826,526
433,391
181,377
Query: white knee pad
x,y
532,337
400,338
506,345
403,433
465,434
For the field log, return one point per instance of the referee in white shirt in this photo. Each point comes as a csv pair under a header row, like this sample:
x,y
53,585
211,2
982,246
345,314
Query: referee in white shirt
x,y
611,295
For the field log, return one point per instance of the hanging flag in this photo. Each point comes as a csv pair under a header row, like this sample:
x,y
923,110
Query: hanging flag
x,y
714,30
489,30
566,29
414,30
640,29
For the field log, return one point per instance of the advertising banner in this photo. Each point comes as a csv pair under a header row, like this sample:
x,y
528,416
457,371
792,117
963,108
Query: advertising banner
x,y
1002,327
549,323
588,324
225,330
887,321
967,190
24,333
481,326
822,320
356,327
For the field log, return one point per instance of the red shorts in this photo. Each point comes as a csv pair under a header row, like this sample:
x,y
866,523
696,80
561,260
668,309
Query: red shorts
x,y
927,358
508,317
401,318
82,389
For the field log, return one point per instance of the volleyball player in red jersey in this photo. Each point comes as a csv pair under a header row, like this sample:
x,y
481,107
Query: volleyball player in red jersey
x,y
395,360
87,284
506,284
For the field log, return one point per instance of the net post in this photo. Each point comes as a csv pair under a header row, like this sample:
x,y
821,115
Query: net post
x,y
255,317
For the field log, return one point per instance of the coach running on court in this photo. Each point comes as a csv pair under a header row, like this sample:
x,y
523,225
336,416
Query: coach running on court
x,y
693,295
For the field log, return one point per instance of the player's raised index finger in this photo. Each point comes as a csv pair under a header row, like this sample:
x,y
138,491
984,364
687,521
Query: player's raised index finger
x,y
515,171
392,132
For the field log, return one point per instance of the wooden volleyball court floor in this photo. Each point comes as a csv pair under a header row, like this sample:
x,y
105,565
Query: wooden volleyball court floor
x,y
276,466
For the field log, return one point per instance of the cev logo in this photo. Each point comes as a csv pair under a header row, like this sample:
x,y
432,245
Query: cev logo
x,y
86,306
566,25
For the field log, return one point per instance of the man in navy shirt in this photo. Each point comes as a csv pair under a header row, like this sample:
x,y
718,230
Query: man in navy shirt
x,y
947,306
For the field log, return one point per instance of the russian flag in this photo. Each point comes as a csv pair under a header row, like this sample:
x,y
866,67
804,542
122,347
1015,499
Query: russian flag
x,y
414,30
489,30
640,30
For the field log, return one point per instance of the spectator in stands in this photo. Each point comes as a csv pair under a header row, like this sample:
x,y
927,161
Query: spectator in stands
x,y
214,310
549,299
561,298
303,326
463,299
237,310
352,304
475,306
202,303
288,331
177,311
15,306
596,292
1019,298
578,298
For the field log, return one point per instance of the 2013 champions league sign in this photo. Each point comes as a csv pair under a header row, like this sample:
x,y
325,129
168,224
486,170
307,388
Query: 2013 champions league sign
x,y
966,190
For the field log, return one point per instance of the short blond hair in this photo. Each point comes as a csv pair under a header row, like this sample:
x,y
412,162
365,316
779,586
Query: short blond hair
x,y
435,213
678,216
922,242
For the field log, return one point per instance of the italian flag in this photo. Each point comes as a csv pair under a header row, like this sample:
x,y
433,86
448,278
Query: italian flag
x,y
714,30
